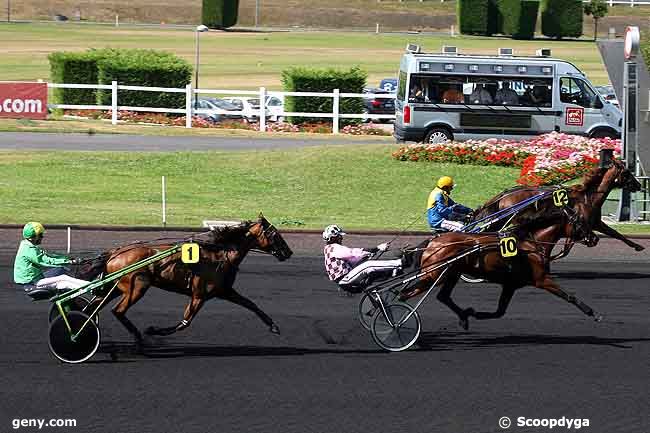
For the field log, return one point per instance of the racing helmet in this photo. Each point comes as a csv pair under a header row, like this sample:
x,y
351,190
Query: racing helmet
x,y
332,231
33,229
445,181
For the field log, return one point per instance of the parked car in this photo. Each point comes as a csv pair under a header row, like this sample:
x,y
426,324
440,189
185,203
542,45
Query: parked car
x,y
608,94
275,108
249,106
217,107
372,105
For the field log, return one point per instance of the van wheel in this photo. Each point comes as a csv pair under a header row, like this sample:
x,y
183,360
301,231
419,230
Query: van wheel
x,y
438,136
603,133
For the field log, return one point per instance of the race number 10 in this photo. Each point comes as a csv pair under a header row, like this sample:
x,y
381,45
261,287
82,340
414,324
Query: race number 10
x,y
190,253
508,246
560,197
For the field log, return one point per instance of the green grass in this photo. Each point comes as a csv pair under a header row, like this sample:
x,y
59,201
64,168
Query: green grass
x,y
358,186
233,60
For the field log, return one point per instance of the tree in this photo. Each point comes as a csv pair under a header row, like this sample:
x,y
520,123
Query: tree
x,y
597,9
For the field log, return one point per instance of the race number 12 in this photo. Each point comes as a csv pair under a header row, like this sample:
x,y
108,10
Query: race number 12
x,y
508,246
560,197
190,253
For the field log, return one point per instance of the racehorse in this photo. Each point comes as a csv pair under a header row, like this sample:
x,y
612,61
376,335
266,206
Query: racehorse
x,y
592,192
221,253
528,267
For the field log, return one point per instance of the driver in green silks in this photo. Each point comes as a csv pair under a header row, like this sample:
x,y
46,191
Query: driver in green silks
x,y
36,268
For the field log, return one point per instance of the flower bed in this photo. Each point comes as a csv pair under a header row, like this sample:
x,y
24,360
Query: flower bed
x,y
198,122
544,160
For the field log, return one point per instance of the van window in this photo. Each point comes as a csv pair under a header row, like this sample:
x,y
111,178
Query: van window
x,y
574,91
481,90
401,87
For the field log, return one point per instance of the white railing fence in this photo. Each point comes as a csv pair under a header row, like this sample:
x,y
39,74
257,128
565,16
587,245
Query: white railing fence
x,y
630,3
190,94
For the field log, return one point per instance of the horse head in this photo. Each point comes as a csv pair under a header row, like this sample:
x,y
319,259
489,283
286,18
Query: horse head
x,y
623,177
269,239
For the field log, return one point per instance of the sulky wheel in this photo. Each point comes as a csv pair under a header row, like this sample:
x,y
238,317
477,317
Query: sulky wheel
x,y
469,279
84,346
396,330
368,306
75,304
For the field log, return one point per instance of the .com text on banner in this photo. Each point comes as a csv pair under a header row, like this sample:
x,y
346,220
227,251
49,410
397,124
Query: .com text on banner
x,y
23,100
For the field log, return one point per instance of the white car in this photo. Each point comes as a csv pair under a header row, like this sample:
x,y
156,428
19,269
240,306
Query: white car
x,y
275,107
250,107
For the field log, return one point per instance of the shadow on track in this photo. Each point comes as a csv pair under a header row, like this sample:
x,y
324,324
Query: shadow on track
x,y
591,275
456,341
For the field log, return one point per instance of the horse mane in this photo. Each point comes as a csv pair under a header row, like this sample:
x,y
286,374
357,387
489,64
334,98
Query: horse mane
x,y
591,180
225,235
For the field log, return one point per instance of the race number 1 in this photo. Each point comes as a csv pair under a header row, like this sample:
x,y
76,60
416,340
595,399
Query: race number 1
x,y
560,197
190,253
508,246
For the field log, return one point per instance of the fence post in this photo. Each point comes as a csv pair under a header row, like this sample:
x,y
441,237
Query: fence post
x,y
262,109
335,109
164,202
114,102
188,106
68,251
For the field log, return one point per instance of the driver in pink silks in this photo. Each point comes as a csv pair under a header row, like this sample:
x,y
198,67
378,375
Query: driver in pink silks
x,y
347,267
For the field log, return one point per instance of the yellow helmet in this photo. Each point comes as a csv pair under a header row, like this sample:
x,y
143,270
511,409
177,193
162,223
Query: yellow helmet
x,y
445,181
32,229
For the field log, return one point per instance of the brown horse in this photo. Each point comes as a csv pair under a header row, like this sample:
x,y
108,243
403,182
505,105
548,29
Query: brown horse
x,y
221,253
592,193
528,267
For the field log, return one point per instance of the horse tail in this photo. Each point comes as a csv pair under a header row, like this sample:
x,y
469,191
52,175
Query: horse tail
x,y
95,266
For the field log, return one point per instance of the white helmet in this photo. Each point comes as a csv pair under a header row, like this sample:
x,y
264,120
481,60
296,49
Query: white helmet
x,y
332,231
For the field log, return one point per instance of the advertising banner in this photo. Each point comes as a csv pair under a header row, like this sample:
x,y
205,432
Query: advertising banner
x,y
23,100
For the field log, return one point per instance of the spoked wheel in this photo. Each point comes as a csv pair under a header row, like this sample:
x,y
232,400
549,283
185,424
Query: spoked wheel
x,y
396,330
83,347
75,304
469,279
368,305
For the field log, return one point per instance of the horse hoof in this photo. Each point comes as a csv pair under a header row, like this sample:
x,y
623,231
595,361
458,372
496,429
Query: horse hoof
x,y
464,323
274,329
639,248
598,317
151,331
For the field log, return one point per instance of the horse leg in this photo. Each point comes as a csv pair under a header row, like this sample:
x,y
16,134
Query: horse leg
x,y
504,300
190,312
444,296
550,286
131,295
607,230
238,299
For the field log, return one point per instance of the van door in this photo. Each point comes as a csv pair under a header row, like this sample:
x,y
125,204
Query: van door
x,y
580,107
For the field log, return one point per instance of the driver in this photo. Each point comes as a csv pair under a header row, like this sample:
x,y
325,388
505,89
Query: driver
x,y
442,211
346,265
31,260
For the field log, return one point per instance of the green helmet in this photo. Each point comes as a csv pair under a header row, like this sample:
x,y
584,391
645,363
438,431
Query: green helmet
x,y
33,229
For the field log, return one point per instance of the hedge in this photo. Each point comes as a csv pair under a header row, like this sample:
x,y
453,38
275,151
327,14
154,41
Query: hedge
x,y
220,14
74,68
562,18
473,17
323,81
518,18
644,48
146,68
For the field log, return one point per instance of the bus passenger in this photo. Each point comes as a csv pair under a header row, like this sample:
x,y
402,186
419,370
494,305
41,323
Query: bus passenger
x,y
442,211
453,95
506,96
480,95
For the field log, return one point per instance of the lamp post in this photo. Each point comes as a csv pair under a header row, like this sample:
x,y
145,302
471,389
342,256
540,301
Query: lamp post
x,y
199,29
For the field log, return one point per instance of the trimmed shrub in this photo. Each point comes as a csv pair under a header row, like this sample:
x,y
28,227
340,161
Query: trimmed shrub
x,y
144,68
644,48
74,68
562,18
518,18
220,14
473,17
325,81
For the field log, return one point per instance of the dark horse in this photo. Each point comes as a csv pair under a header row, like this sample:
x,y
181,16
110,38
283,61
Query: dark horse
x,y
221,253
528,267
591,193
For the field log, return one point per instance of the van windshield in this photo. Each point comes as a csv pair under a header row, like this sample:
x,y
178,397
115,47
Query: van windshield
x,y
481,90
